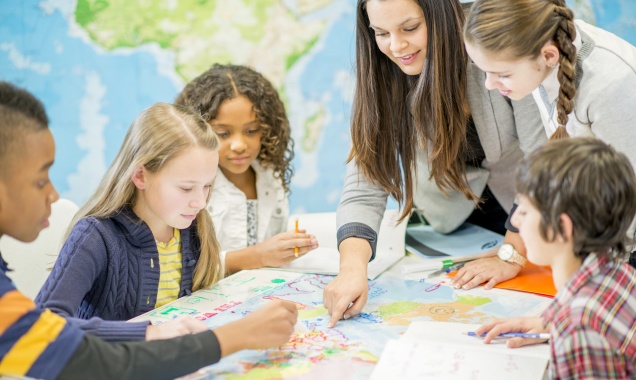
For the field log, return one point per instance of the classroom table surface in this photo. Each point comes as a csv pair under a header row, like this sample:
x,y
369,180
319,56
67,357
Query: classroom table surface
x,y
351,348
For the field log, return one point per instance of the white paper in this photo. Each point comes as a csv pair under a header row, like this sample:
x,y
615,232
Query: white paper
x,y
326,258
440,350
452,333
407,359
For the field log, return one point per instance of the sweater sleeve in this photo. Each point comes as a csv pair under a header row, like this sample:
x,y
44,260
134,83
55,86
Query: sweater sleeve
x,y
112,331
361,208
77,269
161,359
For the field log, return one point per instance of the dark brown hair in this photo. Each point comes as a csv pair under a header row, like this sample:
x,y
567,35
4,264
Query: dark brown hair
x,y
20,113
209,90
394,115
523,27
589,181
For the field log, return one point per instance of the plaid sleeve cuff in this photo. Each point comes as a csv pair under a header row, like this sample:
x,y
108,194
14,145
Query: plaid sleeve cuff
x,y
359,230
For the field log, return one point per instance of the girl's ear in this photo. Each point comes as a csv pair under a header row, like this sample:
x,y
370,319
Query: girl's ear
x,y
567,227
551,54
138,177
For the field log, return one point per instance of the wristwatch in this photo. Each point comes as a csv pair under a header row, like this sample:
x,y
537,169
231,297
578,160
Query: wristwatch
x,y
508,253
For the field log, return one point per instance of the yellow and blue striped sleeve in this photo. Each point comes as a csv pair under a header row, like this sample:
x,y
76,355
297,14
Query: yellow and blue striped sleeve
x,y
33,342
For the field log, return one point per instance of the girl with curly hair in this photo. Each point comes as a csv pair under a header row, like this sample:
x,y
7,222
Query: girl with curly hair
x,y
249,204
581,78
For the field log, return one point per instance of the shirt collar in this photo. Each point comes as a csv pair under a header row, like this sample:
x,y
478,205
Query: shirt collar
x,y
591,267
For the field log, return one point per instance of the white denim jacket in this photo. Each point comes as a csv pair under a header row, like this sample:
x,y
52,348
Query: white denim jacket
x,y
228,208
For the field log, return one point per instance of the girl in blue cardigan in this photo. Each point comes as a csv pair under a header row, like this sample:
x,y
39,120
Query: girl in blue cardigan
x,y
141,240
39,344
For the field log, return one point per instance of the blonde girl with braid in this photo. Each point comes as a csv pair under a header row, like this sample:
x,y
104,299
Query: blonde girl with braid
x,y
582,79
249,203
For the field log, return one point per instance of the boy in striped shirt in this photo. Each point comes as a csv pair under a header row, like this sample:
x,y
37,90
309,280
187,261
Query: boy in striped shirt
x,y
577,202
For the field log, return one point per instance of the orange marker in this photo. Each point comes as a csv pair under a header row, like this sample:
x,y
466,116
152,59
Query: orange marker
x,y
296,248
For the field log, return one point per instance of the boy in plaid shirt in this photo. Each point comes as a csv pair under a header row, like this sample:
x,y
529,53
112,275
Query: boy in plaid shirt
x,y
577,199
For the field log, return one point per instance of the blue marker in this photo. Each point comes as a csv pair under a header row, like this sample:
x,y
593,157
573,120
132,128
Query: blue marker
x,y
452,268
513,335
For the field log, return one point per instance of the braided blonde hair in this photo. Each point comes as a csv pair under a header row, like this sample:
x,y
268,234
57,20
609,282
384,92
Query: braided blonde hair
x,y
523,27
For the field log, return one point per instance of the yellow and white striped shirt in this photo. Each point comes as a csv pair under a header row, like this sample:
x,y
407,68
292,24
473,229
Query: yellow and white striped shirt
x,y
170,268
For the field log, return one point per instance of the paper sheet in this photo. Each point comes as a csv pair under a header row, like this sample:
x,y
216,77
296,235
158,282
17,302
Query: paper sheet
x,y
439,350
407,360
326,258
531,279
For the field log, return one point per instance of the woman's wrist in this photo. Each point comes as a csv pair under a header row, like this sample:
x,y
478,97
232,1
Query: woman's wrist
x,y
354,254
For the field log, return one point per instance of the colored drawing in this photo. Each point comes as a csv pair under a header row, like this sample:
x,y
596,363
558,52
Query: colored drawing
x,y
167,313
228,293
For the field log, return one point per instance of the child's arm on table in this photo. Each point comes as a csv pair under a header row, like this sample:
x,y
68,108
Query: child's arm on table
x,y
269,326
276,251
521,324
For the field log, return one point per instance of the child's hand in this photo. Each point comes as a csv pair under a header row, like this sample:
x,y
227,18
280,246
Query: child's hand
x,y
269,326
280,249
179,326
491,270
522,324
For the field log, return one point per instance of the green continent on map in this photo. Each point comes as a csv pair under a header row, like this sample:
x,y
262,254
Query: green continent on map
x,y
460,310
473,300
265,34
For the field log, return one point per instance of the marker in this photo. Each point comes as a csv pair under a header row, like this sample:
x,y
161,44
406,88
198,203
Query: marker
x,y
434,265
296,248
513,335
446,270
431,265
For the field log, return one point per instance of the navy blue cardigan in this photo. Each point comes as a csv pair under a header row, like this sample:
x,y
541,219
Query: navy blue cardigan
x,y
108,272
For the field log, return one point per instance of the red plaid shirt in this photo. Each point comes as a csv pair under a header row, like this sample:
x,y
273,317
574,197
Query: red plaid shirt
x,y
592,322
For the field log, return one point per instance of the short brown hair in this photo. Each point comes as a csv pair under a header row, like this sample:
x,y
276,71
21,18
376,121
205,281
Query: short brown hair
x,y
522,27
589,181
20,113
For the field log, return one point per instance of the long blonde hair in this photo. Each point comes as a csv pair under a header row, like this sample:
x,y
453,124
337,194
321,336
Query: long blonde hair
x,y
524,26
158,134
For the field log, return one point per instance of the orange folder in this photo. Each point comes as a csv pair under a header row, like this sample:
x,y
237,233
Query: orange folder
x,y
532,279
